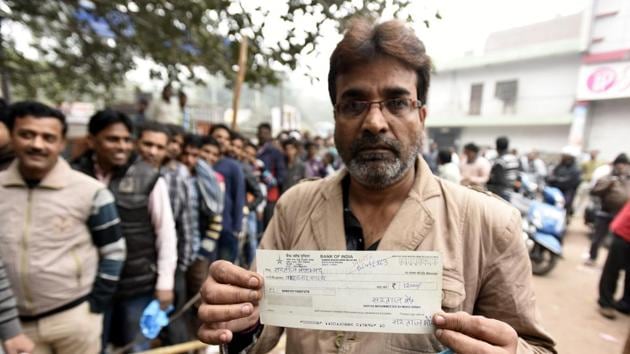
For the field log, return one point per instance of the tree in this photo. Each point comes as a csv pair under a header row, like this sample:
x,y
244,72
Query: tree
x,y
85,47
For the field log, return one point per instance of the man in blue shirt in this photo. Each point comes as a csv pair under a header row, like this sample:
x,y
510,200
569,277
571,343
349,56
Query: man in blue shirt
x,y
275,163
234,199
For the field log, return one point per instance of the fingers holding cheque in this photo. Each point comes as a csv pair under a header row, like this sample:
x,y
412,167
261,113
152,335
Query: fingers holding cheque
x,y
230,297
468,334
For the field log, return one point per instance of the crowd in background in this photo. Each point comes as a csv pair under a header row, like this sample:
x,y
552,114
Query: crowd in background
x,y
148,206
138,216
499,168
594,189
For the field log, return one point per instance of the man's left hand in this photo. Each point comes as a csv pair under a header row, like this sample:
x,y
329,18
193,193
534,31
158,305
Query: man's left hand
x,y
468,334
165,297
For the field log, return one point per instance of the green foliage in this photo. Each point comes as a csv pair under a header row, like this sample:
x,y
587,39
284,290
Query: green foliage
x,y
86,47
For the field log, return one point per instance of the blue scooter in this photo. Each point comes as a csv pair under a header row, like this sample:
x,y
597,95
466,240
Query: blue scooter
x,y
544,223
547,226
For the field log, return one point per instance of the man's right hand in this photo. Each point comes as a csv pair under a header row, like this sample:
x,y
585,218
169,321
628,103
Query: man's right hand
x,y
229,298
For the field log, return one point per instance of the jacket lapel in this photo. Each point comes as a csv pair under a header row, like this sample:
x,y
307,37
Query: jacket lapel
x,y
57,178
411,224
416,217
327,217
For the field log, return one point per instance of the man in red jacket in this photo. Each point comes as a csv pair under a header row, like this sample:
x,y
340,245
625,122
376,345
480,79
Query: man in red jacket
x,y
618,260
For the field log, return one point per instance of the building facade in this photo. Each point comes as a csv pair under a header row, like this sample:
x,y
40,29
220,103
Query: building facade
x,y
604,80
527,85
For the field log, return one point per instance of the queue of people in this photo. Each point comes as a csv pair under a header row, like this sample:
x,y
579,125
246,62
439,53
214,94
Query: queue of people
x,y
140,215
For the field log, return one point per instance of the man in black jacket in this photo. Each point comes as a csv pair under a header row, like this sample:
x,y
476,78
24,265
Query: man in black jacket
x,y
504,170
147,221
566,177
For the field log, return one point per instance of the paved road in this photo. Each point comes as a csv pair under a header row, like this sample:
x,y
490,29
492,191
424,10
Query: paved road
x,y
567,302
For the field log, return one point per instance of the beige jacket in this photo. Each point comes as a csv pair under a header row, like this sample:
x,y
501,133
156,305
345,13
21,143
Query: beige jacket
x,y
486,268
46,245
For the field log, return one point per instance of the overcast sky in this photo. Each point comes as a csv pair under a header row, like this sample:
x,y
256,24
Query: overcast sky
x,y
464,27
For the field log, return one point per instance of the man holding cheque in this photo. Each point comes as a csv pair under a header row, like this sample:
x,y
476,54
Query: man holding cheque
x,y
450,271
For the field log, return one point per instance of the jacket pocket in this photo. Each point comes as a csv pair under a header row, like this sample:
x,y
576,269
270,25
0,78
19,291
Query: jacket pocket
x,y
77,264
413,343
453,295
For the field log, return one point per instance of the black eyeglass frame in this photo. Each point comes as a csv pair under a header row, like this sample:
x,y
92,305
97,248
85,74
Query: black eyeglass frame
x,y
412,103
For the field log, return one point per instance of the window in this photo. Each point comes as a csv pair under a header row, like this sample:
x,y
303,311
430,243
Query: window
x,y
476,93
506,91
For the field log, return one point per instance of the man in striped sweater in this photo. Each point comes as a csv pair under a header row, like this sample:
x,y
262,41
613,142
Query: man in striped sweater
x,y
60,234
14,340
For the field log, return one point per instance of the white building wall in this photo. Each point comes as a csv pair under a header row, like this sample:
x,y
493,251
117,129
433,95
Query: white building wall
x,y
545,87
611,32
608,127
542,138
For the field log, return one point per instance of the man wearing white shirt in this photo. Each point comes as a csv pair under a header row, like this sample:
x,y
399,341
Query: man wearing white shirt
x,y
165,110
475,169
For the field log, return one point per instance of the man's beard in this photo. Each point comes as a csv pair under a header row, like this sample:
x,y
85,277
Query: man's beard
x,y
378,170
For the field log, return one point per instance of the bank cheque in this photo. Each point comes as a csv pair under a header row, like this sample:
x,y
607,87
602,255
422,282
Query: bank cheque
x,y
360,291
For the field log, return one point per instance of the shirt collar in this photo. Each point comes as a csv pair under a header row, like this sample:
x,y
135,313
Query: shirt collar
x,y
57,178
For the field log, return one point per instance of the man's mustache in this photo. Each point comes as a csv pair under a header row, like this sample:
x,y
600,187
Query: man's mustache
x,y
367,142
36,152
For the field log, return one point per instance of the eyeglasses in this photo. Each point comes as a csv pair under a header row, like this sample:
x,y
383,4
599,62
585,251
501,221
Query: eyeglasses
x,y
398,107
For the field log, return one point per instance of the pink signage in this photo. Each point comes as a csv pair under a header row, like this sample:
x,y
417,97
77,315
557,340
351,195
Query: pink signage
x,y
601,79
604,81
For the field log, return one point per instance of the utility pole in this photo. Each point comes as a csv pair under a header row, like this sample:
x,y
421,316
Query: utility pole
x,y
242,69
281,103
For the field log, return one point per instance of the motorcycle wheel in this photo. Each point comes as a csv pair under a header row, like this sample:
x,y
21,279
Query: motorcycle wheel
x,y
543,260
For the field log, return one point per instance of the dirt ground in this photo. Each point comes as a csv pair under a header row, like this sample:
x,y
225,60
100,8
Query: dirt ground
x,y
567,302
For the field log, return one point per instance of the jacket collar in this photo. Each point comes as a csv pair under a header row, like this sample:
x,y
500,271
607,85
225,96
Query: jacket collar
x,y
57,178
86,163
327,216
407,229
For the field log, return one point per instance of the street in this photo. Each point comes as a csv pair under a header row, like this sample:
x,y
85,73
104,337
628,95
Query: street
x,y
567,300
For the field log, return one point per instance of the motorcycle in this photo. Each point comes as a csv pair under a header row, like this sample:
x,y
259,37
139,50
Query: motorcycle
x,y
544,224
